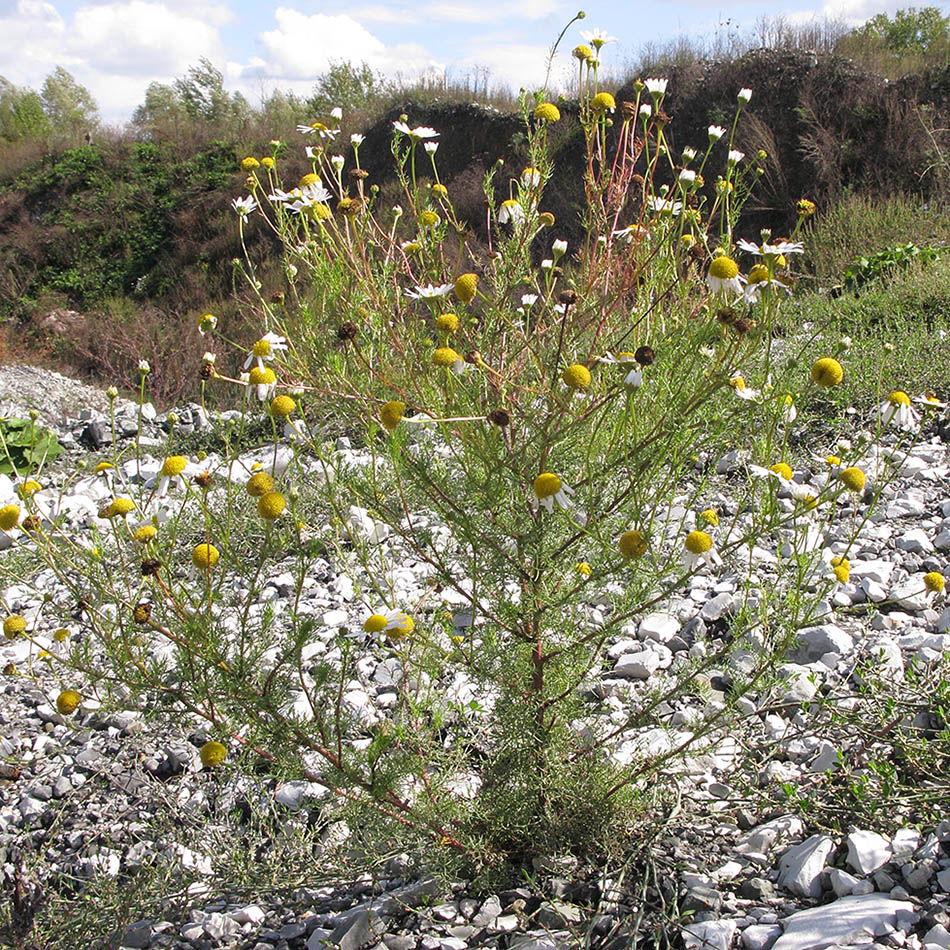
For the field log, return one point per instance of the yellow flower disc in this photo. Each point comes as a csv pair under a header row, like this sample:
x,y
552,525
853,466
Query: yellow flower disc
x,y
122,506
308,180
9,516
61,635
282,406
145,533
375,623
447,323
842,572
439,190
582,52
270,506
249,164
758,273
174,465
723,268
582,567
698,542
898,398
853,479
13,626
783,469
401,627
827,372
212,754
576,376
68,702
465,287
262,376
267,161
547,112
832,460
261,348
710,516
259,484
546,485
603,102
28,488
445,356
934,581
633,544
204,556
428,219
391,414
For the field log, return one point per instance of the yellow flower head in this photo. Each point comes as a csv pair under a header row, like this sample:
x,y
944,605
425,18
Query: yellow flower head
x,y
582,52
603,102
934,581
842,569
447,323
145,533
698,542
576,376
833,460
270,506
547,112
445,356
174,465
309,179
898,398
758,273
13,626
262,376
582,567
783,469
9,516
853,479
805,207
120,507
102,468
465,287
282,406
710,516
29,488
428,219
267,161
205,556
249,164
391,414
827,372
68,702
395,623
439,190
633,544
723,268
259,484
546,485
61,635
212,754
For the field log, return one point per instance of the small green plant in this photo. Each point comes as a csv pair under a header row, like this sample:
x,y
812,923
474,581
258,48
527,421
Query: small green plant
x,y
884,263
26,447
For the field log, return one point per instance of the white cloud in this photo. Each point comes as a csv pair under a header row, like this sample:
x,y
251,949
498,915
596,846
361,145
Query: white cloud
x,y
513,64
32,34
383,14
302,46
466,12
140,39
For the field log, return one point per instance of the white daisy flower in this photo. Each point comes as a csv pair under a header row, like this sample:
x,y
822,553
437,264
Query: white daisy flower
x,y
630,233
548,489
656,87
511,211
264,349
394,622
689,154
663,206
739,387
745,94
700,550
687,176
724,275
244,206
431,147
771,250
336,113
430,291
897,409
929,400
356,140
735,156
597,38
319,129
418,133
716,132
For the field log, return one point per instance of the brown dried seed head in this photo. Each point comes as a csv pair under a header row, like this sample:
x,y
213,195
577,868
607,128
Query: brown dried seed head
x,y
204,479
142,612
628,109
499,417
567,297
347,331
359,173
644,355
727,315
150,567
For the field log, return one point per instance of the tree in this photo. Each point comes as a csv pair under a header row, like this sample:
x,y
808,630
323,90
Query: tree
x,y
69,106
21,113
347,86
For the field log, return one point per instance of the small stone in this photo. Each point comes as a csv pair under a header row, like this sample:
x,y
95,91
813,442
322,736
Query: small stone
x,y
800,867
867,851
760,936
709,935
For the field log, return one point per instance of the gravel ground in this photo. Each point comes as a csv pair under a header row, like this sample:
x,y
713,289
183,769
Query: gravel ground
x,y
108,795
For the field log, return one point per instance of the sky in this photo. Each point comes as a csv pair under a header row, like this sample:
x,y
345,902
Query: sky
x,y
117,47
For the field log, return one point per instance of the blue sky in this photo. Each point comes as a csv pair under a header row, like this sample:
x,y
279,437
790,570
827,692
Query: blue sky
x,y
117,47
